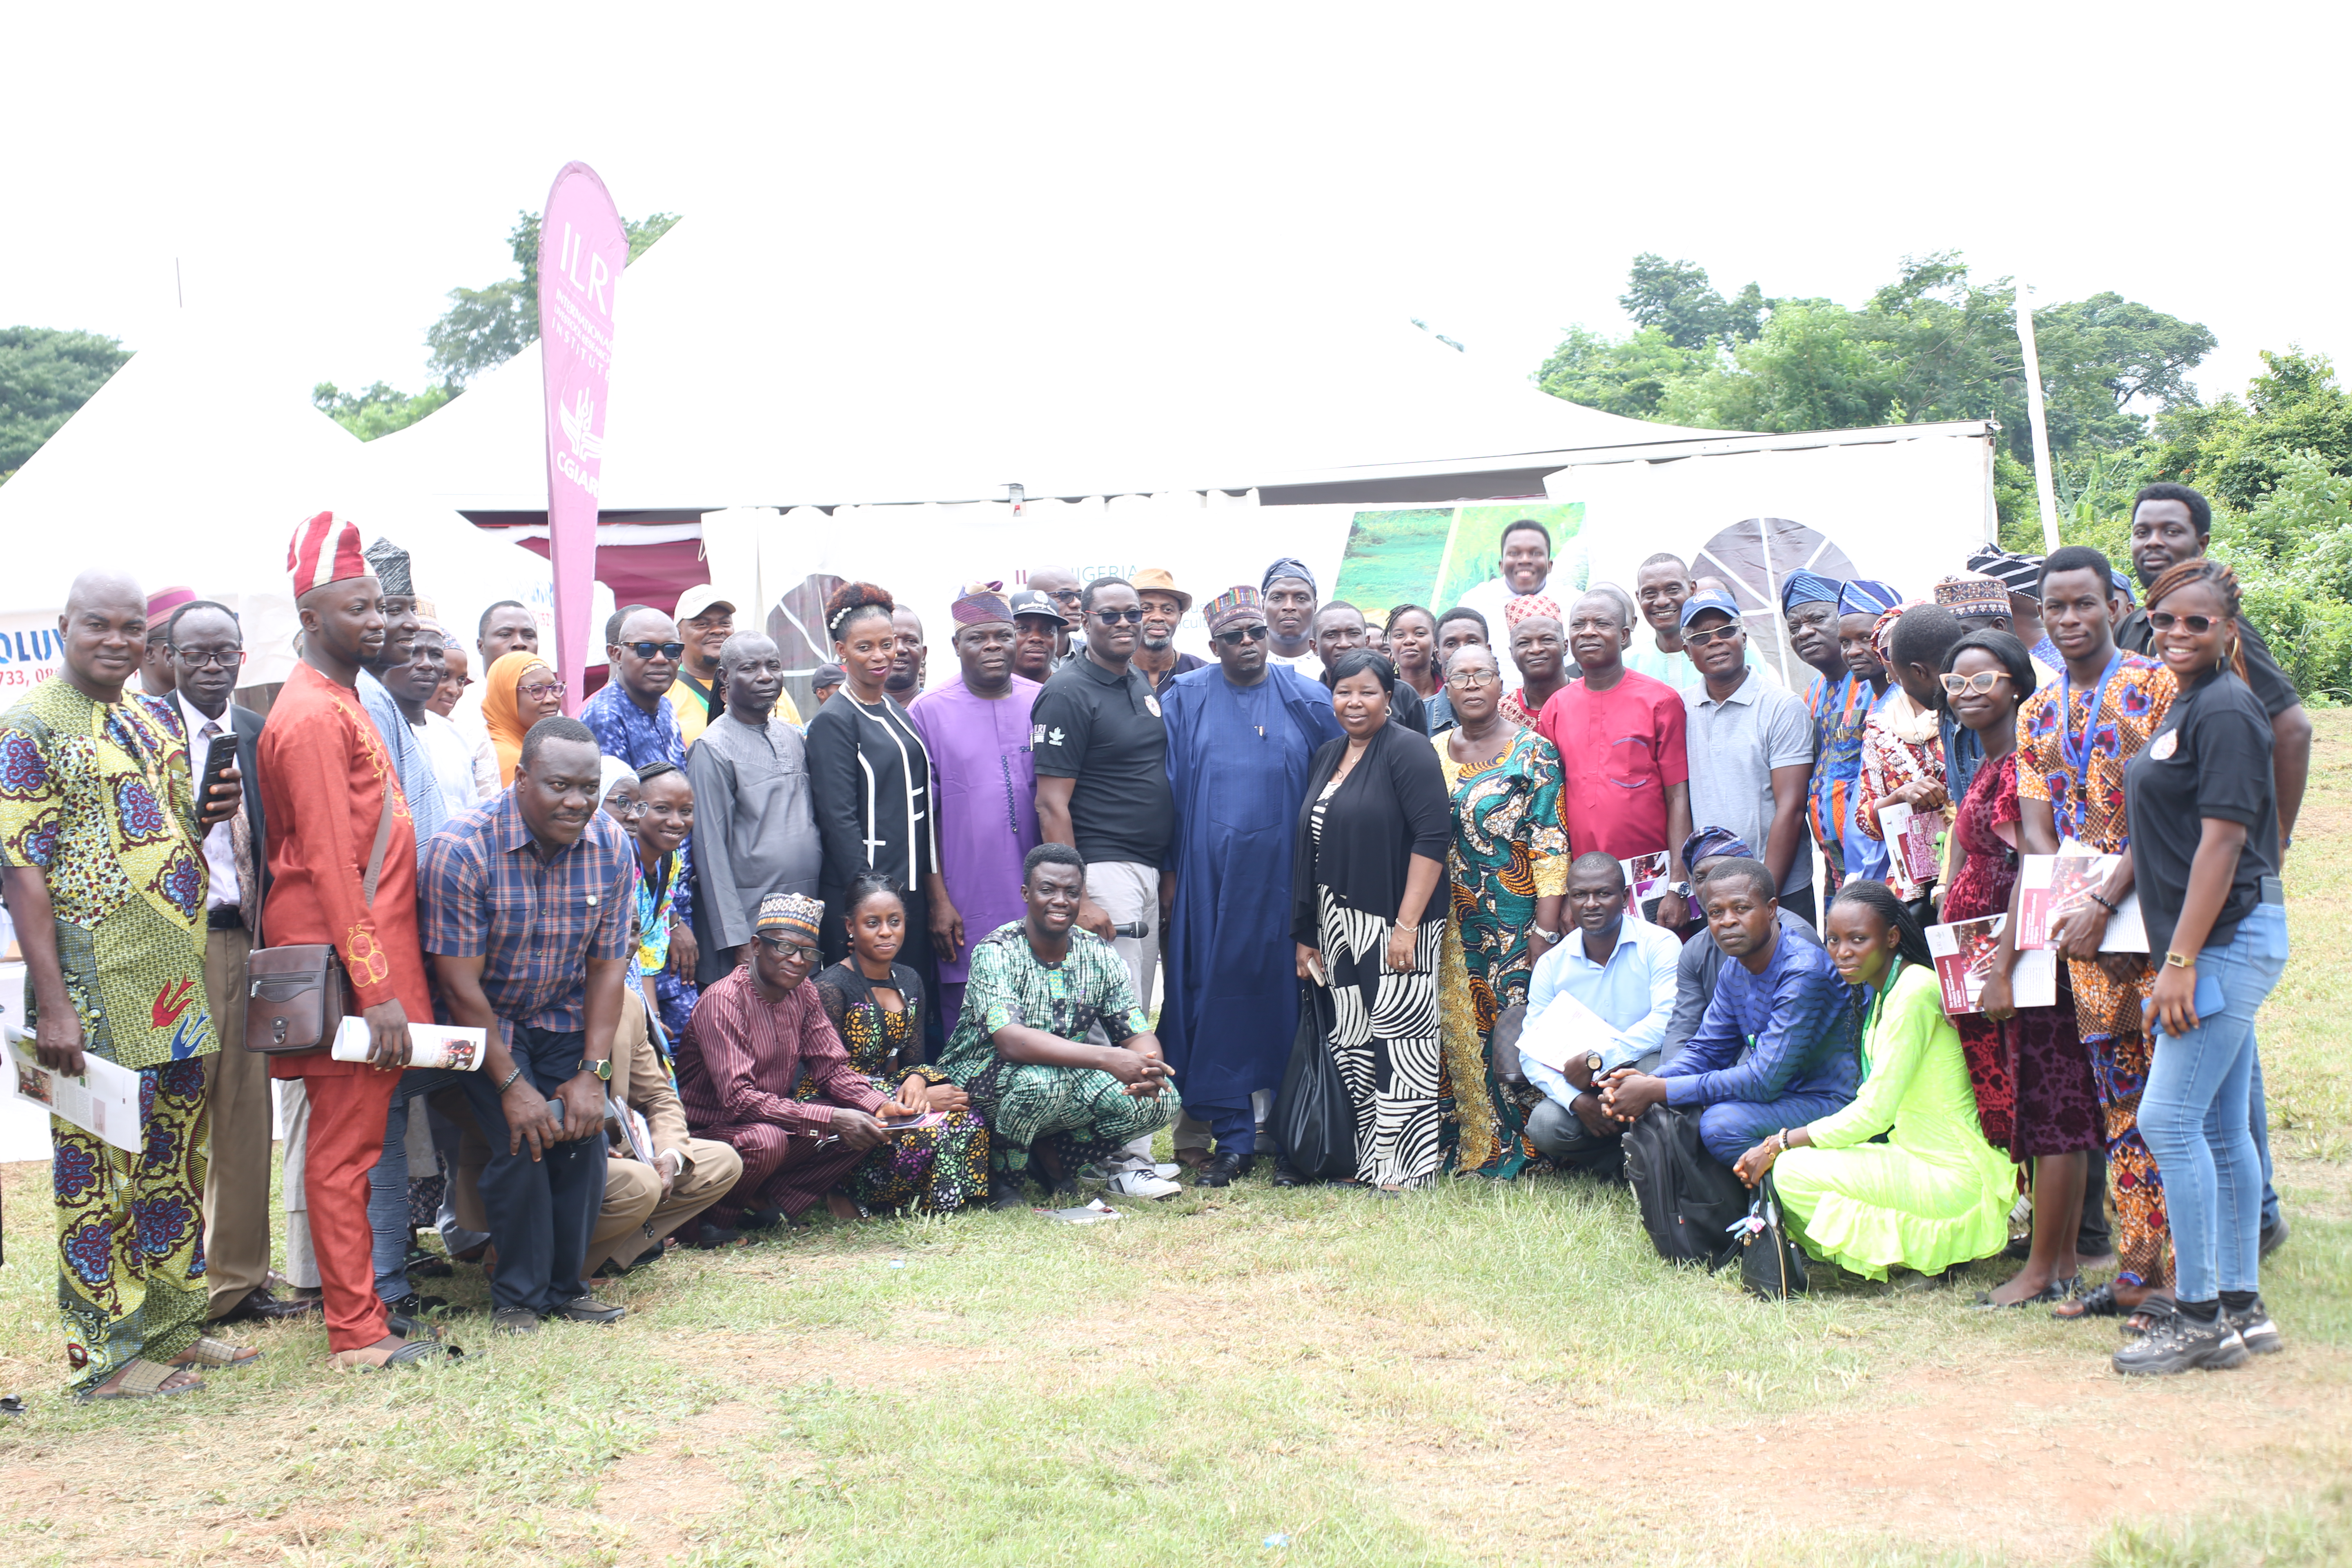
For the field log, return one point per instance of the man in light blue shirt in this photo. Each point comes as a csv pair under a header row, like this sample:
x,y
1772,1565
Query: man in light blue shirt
x,y
1623,971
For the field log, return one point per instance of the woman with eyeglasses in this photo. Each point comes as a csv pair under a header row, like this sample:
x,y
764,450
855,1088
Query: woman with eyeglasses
x,y
2035,1095
1373,839
2203,807
1509,871
870,779
519,690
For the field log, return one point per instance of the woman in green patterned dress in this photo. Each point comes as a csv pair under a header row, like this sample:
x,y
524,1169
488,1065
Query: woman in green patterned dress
x,y
1509,866
876,1008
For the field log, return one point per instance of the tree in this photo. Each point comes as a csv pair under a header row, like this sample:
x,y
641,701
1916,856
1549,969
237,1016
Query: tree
x,y
2237,451
46,376
1675,298
487,327
378,411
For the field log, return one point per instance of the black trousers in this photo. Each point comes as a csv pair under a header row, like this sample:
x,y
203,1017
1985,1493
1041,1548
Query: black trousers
x,y
541,1212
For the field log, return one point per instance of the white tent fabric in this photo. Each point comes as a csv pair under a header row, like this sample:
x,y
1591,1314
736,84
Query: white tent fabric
x,y
193,466
757,366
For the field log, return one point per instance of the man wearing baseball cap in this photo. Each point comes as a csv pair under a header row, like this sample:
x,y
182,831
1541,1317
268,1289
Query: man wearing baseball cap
x,y
706,619
1750,743
1037,631
1164,608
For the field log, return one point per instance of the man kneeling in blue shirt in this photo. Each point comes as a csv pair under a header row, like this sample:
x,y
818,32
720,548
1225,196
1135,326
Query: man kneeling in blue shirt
x,y
1612,968
1778,1045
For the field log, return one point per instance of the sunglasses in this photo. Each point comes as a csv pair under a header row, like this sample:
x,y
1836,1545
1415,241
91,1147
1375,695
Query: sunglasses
x,y
648,649
1113,617
1700,640
1980,683
2164,620
539,693
1237,635
788,947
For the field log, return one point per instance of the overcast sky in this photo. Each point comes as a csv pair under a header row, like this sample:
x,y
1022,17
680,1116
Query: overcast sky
x,y
334,171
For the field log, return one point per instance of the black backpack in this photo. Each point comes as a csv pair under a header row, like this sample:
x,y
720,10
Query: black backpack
x,y
1314,1119
1688,1199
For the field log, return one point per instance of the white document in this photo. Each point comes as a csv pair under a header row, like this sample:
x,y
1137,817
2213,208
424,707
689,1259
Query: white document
x,y
1567,1030
103,1100
430,1044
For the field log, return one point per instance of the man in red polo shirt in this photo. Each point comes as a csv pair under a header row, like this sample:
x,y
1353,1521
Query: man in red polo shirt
x,y
1625,776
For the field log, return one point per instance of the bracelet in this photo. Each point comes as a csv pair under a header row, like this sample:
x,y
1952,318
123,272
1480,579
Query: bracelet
x,y
511,1078
2111,908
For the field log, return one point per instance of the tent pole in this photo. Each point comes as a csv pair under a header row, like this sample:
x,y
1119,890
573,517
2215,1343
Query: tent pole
x,y
2045,489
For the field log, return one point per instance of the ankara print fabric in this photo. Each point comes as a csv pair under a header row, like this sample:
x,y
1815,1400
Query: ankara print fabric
x,y
1010,986
97,798
130,1253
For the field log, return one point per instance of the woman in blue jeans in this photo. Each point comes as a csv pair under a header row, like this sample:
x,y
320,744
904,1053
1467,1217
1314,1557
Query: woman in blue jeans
x,y
2205,858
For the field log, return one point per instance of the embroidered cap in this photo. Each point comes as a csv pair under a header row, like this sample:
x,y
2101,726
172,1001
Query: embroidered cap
x,y
1976,593
1239,606
1528,606
325,549
789,914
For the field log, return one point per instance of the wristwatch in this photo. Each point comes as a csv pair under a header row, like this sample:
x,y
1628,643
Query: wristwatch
x,y
2174,960
1592,1062
1680,890
603,1069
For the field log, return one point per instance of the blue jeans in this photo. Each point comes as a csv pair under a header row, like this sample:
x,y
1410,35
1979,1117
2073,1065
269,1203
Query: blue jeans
x,y
2258,1123
2193,1115
542,1211
388,1187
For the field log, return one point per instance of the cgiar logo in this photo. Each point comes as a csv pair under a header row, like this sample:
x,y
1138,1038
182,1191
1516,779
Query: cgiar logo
x,y
578,419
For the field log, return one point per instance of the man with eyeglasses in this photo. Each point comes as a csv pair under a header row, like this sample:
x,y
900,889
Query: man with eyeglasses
x,y
1102,789
530,917
1456,628
1060,586
756,1038
1242,740
1751,744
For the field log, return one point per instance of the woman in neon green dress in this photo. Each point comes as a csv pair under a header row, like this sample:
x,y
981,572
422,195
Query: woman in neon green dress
x,y
1935,1193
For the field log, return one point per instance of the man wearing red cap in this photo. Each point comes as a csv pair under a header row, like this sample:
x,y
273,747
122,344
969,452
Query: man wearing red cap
x,y
342,864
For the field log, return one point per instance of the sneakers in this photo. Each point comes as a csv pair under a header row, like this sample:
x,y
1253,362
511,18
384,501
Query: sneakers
x,y
2254,1327
1143,1184
2180,1343
2274,1237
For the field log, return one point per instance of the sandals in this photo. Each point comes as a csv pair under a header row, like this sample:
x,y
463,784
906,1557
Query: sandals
x,y
2056,1290
208,1352
2102,1303
416,1353
141,1379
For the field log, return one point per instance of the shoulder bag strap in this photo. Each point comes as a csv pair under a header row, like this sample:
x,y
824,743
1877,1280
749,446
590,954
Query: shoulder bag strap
x,y
383,842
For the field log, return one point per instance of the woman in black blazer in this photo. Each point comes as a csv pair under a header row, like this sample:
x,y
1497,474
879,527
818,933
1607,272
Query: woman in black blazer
x,y
1372,847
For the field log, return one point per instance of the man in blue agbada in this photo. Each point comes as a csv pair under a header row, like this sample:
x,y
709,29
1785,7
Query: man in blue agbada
x,y
1240,738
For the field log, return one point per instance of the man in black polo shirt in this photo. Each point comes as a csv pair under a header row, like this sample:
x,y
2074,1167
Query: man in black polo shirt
x,y
2172,523
1102,788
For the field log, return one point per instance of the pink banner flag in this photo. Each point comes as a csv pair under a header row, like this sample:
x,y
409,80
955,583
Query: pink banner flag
x,y
581,248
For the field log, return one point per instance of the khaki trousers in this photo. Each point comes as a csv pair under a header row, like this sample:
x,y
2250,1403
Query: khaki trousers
x,y
636,1217
1128,893
236,1182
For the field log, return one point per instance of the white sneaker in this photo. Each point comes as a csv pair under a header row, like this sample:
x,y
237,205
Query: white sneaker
x,y
1143,1184
1169,1172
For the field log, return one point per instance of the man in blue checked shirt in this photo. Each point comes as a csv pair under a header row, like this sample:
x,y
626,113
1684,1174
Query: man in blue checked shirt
x,y
1779,1044
530,922
1622,970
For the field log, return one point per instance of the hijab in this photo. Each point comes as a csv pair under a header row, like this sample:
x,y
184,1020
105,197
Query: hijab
x,y
502,709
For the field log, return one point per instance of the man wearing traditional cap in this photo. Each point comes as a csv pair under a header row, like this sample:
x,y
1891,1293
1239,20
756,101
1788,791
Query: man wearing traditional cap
x,y
1537,635
1164,609
342,873
1242,738
2021,577
975,724
101,859
757,1039
156,675
420,782
1809,608
1843,716
1290,597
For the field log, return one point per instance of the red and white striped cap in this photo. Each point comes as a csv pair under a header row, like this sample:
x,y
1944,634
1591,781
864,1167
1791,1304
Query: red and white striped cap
x,y
325,549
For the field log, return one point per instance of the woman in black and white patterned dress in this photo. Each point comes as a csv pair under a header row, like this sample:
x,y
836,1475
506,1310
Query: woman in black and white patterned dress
x,y
1371,851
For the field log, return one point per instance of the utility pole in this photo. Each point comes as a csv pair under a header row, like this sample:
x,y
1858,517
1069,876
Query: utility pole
x,y
2045,487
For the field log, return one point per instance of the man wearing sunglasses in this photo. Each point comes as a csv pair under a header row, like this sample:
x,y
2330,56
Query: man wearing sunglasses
x,y
631,717
1242,740
1752,744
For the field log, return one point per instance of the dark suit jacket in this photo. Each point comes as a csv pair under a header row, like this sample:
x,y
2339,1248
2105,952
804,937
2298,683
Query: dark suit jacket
x,y
252,868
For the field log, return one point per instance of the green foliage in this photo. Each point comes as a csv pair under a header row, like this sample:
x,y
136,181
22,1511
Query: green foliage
x,y
487,327
2234,451
2293,553
1675,298
46,374
1628,376
378,411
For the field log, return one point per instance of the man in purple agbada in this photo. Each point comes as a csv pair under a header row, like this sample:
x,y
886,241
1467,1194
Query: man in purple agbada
x,y
977,729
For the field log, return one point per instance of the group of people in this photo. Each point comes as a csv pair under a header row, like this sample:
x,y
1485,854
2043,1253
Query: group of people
x,y
729,964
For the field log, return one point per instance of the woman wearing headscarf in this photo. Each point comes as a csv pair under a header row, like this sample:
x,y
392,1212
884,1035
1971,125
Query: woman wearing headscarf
x,y
1373,839
517,691
1508,869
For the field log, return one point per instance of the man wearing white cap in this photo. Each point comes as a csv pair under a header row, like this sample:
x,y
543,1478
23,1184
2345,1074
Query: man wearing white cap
x,y
706,619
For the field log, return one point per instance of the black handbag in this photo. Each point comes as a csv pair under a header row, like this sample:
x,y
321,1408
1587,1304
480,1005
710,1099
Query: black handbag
x,y
1771,1264
1314,1119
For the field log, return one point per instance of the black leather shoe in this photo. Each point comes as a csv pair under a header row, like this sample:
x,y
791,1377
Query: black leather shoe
x,y
1008,1193
588,1309
514,1321
761,1220
260,1307
1224,1169
410,1316
1283,1176
709,1237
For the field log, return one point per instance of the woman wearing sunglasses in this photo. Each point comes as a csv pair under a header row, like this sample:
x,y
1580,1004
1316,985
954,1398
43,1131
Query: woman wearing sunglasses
x,y
2203,807
2035,1095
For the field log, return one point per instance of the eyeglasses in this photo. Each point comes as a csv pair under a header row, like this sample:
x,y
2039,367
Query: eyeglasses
x,y
1065,594
539,693
1714,634
195,660
1235,635
2164,620
623,807
648,649
1980,683
787,947
1112,617
1469,678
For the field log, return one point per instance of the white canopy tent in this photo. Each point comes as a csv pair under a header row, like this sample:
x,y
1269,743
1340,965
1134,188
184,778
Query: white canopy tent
x,y
192,466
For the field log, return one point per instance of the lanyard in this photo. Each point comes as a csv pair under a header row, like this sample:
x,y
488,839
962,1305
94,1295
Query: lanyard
x,y
2079,757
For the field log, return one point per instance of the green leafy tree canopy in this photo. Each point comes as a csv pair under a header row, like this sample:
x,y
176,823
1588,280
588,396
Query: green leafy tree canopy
x,y
487,327
46,376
